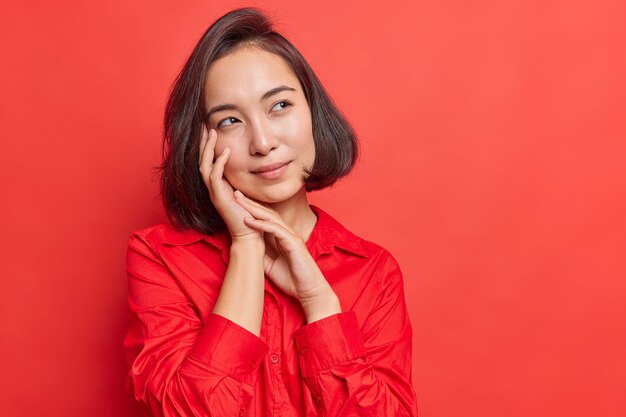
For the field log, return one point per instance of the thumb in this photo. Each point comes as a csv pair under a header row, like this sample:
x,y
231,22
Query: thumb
x,y
268,262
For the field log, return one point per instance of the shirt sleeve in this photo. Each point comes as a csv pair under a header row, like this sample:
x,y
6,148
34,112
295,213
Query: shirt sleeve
x,y
362,370
180,365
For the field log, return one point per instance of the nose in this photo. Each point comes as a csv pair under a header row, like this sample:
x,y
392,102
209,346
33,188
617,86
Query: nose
x,y
262,141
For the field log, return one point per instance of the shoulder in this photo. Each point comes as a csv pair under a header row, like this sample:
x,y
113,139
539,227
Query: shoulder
x,y
160,240
166,234
383,261
166,241
148,243
340,237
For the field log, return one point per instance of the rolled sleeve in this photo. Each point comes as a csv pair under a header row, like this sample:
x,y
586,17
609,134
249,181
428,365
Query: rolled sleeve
x,y
229,348
329,342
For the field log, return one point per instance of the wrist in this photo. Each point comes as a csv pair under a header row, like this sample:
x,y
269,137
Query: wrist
x,y
320,306
247,246
247,238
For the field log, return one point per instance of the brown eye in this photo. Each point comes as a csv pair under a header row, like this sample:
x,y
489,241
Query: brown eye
x,y
281,105
227,121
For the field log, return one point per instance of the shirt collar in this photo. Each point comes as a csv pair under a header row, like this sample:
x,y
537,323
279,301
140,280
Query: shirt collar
x,y
327,235
182,237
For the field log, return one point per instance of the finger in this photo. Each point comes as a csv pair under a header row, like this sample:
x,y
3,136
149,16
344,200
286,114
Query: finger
x,y
216,177
220,162
250,201
203,142
268,261
212,141
207,153
285,239
259,211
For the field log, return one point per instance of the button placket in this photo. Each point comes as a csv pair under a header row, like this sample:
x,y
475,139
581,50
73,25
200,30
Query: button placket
x,y
274,327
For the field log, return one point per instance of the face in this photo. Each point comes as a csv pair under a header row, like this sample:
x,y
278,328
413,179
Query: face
x,y
257,106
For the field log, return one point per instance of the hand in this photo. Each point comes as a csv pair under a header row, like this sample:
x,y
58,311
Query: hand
x,y
220,190
293,269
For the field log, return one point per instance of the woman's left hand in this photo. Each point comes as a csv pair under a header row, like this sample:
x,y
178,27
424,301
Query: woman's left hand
x,y
293,270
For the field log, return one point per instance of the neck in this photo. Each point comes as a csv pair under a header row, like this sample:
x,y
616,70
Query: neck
x,y
297,214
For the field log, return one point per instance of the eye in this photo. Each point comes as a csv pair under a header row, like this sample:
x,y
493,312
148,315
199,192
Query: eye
x,y
227,121
281,105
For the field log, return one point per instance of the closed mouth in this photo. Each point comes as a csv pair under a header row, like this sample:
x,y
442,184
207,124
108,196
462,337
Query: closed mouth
x,y
272,171
270,167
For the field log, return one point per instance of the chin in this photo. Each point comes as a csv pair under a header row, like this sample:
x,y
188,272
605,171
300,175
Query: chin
x,y
278,193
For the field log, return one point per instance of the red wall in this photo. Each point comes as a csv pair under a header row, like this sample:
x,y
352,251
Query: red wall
x,y
493,167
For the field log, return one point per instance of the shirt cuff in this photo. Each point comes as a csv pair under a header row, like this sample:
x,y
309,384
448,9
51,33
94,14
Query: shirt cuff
x,y
328,342
226,346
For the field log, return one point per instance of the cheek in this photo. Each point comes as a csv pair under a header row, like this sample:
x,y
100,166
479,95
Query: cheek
x,y
235,177
307,144
233,138
220,146
235,159
300,130
235,167
309,159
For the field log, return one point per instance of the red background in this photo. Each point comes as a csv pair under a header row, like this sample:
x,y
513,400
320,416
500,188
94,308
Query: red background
x,y
493,168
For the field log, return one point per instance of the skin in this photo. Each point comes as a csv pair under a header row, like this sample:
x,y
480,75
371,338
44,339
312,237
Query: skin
x,y
258,116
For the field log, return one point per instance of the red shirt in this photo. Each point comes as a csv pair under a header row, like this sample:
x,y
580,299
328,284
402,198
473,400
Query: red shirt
x,y
186,361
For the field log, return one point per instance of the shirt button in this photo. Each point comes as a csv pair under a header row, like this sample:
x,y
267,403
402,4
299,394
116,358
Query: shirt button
x,y
274,358
304,350
242,412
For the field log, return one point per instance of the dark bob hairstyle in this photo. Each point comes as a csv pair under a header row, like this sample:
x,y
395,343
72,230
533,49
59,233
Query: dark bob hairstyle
x,y
185,196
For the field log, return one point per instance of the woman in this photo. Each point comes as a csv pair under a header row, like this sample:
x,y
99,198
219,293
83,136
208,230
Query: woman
x,y
255,303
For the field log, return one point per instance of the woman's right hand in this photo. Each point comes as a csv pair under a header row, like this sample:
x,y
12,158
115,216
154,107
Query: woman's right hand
x,y
220,190
241,296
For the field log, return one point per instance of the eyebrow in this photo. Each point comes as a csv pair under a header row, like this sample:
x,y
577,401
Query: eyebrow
x,y
275,91
265,96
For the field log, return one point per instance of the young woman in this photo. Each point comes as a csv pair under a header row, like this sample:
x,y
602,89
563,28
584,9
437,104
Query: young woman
x,y
255,303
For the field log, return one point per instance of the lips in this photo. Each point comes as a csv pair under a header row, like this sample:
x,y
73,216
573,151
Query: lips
x,y
271,171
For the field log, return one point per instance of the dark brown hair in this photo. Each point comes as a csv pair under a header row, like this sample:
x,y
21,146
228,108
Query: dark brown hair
x,y
183,191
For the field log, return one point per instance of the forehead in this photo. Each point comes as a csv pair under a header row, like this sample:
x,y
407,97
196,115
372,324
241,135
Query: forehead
x,y
247,72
